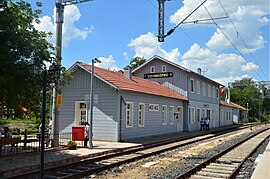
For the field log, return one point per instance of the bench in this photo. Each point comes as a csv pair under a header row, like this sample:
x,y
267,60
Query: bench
x,y
10,141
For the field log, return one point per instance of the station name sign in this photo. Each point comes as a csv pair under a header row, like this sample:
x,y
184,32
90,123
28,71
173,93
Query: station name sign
x,y
158,75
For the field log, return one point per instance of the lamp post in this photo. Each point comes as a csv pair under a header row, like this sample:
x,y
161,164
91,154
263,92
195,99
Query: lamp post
x,y
34,67
90,118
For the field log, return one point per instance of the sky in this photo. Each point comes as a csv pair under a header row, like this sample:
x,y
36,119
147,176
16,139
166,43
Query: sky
x,y
225,49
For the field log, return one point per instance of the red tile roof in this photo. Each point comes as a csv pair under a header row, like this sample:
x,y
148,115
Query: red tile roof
x,y
231,104
136,84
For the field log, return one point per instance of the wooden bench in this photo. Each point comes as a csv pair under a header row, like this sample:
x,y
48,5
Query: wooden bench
x,y
10,141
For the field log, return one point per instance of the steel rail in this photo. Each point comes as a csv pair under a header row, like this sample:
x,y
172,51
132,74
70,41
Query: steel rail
x,y
131,150
199,167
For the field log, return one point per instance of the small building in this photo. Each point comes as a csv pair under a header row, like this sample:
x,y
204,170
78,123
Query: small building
x,y
125,106
202,92
230,113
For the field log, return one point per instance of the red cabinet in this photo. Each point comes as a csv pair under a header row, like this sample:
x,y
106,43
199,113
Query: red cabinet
x,y
78,133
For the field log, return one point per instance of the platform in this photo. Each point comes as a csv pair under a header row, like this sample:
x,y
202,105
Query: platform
x,y
262,170
22,163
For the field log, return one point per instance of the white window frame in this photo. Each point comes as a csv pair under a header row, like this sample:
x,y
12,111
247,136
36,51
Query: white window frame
x,y
198,87
142,115
198,115
78,111
153,107
213,92
217,93
209,90
192,85
171,114
204,89
152,69
164,115
191,115
164,68
131,115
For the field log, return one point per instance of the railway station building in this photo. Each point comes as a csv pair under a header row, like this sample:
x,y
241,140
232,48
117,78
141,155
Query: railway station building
x,y
202,92
125,106
158,97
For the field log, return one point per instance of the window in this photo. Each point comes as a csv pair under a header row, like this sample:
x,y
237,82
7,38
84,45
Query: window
x,y
192,85
129,114
198,87
164,115
82,111
213,92
203,88
152,69
153,107
191,115
198,115
171,114
141,115
209,91
164,68
217,93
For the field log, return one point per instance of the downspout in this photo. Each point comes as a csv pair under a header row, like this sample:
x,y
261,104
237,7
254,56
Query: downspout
x,y
120,120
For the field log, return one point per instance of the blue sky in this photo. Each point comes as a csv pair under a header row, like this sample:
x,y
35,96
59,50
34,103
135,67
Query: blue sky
x,y
116,31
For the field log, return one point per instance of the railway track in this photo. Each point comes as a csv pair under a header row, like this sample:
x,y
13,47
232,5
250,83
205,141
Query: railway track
x,y
101,163
227,163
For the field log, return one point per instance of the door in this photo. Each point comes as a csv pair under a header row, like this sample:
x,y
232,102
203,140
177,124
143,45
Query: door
x,y
81,113
180,119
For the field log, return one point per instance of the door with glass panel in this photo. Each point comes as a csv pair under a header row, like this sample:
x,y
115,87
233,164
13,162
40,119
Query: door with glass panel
x,y
179,121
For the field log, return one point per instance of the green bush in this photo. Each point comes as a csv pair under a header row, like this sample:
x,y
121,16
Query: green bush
x,y
71,145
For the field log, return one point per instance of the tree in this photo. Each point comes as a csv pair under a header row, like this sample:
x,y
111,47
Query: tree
x,y
137,61
246,91
19,42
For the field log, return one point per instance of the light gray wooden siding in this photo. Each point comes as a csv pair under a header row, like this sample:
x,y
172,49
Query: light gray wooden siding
x,y
179,78
153,119
214,119
105,115
201,97
223,115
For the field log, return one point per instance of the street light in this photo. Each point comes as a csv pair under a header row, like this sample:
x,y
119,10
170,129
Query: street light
x,y
90,117
34,66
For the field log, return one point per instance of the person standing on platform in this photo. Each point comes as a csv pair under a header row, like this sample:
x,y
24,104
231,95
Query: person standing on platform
x,y
206,124
202,124
7,132
86,132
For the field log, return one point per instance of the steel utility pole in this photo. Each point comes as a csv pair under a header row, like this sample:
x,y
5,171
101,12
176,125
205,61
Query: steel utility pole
x,y
59,4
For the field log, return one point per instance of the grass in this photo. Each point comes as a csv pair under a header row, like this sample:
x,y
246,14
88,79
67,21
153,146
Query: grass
x,y
6,121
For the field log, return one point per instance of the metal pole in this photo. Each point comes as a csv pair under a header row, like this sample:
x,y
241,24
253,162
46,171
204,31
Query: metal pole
x,y
43,122
90,132
58,44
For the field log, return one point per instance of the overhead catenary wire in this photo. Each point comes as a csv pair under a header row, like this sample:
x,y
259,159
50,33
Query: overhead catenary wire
x,y
172,30
231,42
169,19
239,35
183,30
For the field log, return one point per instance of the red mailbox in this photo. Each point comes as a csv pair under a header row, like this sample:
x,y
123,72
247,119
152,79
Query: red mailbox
x,y
78,133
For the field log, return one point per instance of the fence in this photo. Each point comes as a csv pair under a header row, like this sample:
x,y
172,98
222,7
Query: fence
x,y
30,142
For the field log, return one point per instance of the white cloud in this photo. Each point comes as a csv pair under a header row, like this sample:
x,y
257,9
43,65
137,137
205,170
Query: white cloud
x,y
247,16
70,31
125,54
107,63
250,67
147,45
220,67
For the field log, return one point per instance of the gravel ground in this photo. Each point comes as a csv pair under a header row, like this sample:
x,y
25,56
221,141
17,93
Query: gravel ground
x,y
248,167
172,163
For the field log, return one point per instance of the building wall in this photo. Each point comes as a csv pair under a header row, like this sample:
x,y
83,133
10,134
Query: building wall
x,y
182,80
105,116
153,119
226,115
179,79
